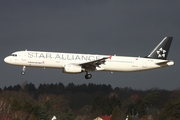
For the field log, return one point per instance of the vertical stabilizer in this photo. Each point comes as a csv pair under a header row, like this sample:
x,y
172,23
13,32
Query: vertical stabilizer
x,y
162,49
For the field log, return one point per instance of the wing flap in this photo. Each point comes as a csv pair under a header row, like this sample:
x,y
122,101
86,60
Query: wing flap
x,y
92,65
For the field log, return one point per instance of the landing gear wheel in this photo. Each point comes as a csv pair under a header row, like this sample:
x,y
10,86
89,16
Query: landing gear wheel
x,y
22,73
88,76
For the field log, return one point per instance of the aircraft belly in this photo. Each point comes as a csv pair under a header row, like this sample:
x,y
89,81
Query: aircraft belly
x,y
122,67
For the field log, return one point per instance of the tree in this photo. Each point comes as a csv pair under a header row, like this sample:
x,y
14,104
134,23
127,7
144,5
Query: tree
x,y
16,105
17,88
171,110
140,106
117,114
106,104
5,108
109,104
27,107
70,115
150,99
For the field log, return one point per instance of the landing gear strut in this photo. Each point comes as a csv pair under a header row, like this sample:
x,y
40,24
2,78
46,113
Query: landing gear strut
x,y
23,70
88,75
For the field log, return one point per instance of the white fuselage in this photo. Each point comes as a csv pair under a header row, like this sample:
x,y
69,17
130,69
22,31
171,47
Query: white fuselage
x,y
59,60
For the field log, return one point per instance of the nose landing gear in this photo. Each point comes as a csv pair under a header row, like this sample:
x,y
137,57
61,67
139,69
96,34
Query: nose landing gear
x,y
23,70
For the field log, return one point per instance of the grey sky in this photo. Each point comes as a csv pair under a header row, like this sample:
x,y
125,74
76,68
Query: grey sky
x,y
131,28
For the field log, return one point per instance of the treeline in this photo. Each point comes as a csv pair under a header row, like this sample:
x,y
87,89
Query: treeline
x,y
86,102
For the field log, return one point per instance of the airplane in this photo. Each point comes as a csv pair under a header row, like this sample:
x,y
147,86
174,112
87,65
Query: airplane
x,y
73,63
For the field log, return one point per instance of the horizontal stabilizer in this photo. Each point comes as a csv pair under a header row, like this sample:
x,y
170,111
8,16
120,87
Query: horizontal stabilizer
x,y
167,62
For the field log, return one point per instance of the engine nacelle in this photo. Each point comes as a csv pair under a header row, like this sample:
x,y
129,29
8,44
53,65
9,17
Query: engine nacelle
x,y
72,69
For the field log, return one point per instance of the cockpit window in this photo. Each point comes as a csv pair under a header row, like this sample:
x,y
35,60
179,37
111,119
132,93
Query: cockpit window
x,y
15,55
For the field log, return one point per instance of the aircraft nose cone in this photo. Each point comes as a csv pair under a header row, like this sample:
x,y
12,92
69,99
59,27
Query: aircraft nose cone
x,y
6,60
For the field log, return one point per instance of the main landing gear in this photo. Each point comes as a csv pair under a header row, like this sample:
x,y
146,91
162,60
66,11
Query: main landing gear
x,y
23,70
88,75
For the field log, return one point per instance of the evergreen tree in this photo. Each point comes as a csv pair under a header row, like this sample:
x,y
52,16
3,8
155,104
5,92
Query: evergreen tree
x,y
171,110
16,105
70,115
116,114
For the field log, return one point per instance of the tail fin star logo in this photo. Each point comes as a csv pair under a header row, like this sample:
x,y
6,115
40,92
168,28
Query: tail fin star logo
x,y
161,53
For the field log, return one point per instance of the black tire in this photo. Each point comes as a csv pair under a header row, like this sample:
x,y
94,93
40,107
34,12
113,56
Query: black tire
x,y
22,73
88,76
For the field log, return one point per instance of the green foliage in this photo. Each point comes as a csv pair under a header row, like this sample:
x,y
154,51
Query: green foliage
x,y
141,108
69,116
106,105
16,105
137,108
171,110
116,114
140,105
36,110
151,98
42,111
47,104
85,102
27,107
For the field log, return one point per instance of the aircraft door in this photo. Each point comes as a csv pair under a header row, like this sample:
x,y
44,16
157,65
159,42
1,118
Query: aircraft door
x,y
23,56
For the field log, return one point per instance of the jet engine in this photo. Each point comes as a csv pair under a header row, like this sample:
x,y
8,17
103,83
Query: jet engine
x,y
72,69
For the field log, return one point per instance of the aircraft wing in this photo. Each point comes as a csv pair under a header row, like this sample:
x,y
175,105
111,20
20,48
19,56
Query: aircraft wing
x,y
91,66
